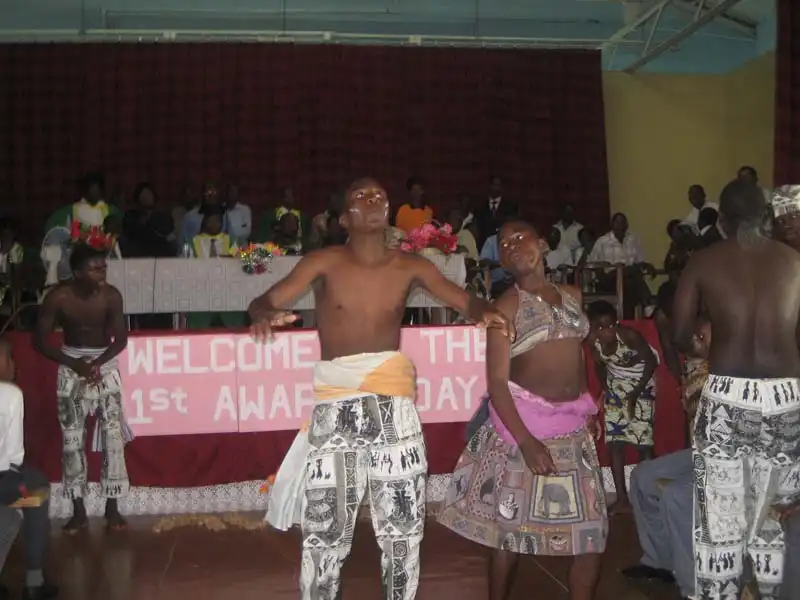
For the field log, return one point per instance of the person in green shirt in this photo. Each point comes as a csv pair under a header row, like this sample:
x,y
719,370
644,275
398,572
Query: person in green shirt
x,y
90,210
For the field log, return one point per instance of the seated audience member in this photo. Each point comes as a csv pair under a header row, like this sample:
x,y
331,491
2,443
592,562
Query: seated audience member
x,y
187,199
317,234
698,200
621,247
709,233
113,227
569,229
558,255
750,175
287,234
492,210
286,204
587,238
662,494
211,242
416,211
17,481
680,248
663,508
238,217
11,251
193,220
466,203
147,231
490,259
707,220
625,364
466,241
335,234
91,210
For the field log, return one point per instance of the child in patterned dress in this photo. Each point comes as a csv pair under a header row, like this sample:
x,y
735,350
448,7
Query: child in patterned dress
x,y
625,365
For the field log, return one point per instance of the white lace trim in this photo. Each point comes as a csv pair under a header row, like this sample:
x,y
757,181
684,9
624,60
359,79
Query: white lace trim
x,y
232,497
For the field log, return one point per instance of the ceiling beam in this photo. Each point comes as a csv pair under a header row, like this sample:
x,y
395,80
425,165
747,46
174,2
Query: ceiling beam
x,y
638,22
746,27
702,19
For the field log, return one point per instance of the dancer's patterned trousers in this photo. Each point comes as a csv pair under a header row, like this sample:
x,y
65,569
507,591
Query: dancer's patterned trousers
x,y
371,444
746,460
77,399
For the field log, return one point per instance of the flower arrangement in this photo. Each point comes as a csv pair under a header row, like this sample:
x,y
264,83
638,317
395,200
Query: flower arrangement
x,y
430,235
93,236
257,257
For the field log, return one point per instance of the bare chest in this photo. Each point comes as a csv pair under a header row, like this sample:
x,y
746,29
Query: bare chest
x,y
371,293
83,314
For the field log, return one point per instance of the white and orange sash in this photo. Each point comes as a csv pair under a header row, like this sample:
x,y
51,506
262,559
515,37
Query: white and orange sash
x,y
382,373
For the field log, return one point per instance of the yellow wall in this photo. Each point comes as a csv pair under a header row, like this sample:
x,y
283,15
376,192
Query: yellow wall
x,y
666,132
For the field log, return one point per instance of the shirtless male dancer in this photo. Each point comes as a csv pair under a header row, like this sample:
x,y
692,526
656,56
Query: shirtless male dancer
x,y
746,454
90,313
365,433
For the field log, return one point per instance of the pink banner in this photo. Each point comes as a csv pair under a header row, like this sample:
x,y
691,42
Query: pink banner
x,y
217,383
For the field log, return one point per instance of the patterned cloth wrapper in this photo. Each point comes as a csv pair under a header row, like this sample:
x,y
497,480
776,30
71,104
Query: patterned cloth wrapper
x,y
496,501
389,373
786,200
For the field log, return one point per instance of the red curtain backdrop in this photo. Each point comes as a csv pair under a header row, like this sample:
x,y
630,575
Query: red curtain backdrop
x,y
787,109
313,117
197,460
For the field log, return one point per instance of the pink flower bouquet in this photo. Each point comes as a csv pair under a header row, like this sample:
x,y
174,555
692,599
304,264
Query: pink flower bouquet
x,y
430,236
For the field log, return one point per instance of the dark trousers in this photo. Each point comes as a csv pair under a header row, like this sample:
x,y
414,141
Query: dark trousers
x,y
791,561
35,521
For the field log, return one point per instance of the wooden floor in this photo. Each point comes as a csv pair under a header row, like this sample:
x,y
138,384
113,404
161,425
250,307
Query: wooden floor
x,y
199,564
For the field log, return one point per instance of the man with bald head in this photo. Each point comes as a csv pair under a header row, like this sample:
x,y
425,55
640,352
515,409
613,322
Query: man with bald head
x,y
747,429
364,433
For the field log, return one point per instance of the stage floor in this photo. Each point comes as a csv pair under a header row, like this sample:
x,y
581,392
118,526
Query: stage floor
x,y
253,565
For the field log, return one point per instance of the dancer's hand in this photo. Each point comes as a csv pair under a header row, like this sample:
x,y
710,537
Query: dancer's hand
x,y
262,327
83,368
593,427
537,457
782,513
494,319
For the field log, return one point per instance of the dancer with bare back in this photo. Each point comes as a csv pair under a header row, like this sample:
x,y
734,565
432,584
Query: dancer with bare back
x,y
746,434
365,433
90,313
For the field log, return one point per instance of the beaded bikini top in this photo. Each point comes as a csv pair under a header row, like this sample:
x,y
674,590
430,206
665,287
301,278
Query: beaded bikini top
x,y
538,321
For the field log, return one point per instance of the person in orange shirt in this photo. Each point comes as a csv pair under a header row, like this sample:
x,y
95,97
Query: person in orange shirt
x,y
415,212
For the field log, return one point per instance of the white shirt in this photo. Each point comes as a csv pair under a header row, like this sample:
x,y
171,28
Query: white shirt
x,y
694,214
494,203
240,223
12,413
608,249
558,257
569,235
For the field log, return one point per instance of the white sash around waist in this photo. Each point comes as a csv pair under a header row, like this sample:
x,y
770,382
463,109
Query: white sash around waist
x,y
285,505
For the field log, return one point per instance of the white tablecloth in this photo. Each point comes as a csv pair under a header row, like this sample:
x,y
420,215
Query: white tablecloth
x,y
184,285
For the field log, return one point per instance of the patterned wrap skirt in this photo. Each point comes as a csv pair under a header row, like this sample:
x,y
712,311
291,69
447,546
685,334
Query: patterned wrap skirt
x,y
495,500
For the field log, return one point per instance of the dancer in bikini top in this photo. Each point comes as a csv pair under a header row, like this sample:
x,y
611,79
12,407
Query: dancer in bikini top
x,y
513,488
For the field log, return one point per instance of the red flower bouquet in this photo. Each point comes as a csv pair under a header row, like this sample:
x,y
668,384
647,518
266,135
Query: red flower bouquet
x,y
92,236
440,238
